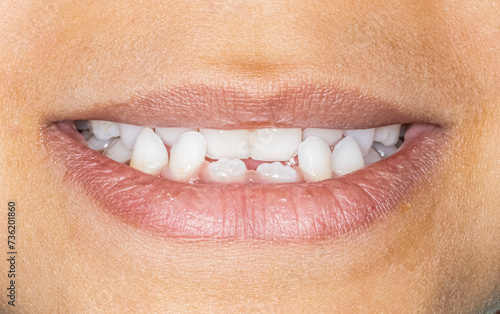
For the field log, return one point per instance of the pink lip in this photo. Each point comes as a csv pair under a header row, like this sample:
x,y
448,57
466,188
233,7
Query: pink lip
x,y
282,212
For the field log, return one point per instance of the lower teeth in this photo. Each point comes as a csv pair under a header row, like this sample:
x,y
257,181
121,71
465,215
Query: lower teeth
x,y
242,156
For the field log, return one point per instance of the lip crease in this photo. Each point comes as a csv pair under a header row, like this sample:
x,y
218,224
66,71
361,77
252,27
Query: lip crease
x,y
277,212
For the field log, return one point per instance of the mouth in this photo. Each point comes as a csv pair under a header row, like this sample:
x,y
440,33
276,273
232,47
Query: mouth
x,y
289,166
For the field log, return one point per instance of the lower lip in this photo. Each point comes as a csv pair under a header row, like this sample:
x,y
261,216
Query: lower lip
x,y
281,212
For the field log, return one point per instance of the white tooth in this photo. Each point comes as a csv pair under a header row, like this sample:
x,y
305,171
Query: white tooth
x,y
97,144
118,151
347,156
150,154
363,137
385,151
276,172
187,155
314,159
104,130
329,136
129,133
388,135
227,170
275,144
372,157
170,135
232,144
82,125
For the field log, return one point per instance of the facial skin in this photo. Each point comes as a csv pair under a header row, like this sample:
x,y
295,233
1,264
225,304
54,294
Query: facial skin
x,y
439,253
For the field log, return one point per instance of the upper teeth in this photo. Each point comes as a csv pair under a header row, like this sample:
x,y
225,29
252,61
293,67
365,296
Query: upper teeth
x,y
322,153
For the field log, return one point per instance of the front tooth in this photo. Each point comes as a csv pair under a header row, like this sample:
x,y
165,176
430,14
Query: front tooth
x,y
97,144
385,151
170,135
372,157
232,144
187,155
129,134
363,137
277,172
275,144
330,137
347,157
118,151
388,135
150,154
104,130
227,170
314,159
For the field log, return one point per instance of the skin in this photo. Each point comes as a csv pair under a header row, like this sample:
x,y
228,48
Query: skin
x,y
438,253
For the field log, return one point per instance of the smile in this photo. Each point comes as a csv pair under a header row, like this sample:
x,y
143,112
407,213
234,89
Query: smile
x,y
285,178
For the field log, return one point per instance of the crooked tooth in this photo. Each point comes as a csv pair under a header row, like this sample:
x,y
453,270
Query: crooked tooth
x,y
347,156
330,137
385,151
187,155
170,135
129,134
104,130
227,170
372,157
314,159
150,154
118,151
277,172
364,138
232,144
388,135
97,144
275,144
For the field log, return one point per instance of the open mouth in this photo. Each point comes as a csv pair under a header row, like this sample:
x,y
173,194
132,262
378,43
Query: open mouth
x,y
272,183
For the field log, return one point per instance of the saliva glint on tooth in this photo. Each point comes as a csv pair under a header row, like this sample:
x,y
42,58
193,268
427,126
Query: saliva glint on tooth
x,y
224,156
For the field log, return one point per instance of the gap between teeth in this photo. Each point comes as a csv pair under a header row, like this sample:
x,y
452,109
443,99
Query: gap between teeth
x,y
258,156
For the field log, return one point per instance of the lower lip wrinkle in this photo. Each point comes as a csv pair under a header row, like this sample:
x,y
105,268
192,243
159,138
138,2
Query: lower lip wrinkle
x,y
281,212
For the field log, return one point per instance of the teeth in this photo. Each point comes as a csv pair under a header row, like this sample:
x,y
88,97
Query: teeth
x,y
118,151
129,133
330,137
372,157
385,151
87,134
347,157
104,130
232,144
149,154
227,170
276,172
275,144
170,135
388,135
314,159
82,125
97,144
187,155
363,137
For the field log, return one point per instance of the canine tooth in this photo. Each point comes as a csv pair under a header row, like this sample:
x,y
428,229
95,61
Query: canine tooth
x,y
104,130
187,155
364,138
82,125
227,170
385,151
118,151
150,154
276,172
372,157
314,159
329,136
347,156
170,135
232,144
275,144
388,135
97,144
129,133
